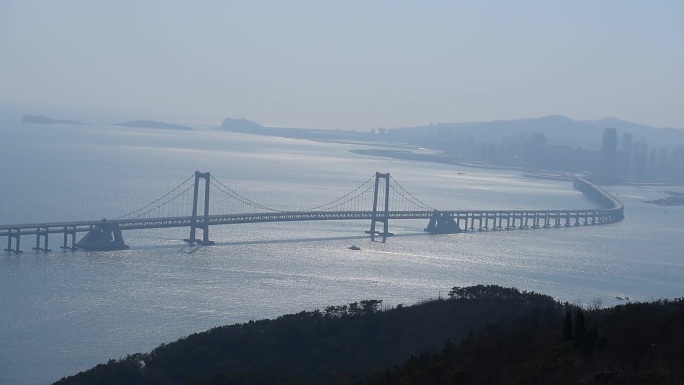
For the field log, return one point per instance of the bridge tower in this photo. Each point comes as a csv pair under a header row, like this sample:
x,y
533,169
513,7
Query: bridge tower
x,y
380,216
204,225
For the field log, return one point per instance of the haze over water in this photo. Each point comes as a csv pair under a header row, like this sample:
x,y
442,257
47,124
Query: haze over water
x,y
63,312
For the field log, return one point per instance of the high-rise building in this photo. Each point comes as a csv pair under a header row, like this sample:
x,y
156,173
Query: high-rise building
x,y
624,157
627,141
606,169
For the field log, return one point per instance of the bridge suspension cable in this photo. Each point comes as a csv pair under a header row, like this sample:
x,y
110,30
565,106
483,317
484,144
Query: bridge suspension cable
x,y
347,198
352,201
179,201
231,193
408,199
160,202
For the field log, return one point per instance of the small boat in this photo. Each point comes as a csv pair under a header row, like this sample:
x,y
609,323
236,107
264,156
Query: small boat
x,y
354,247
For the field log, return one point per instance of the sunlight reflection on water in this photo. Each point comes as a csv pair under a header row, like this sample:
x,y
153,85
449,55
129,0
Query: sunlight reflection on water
x,y
83,308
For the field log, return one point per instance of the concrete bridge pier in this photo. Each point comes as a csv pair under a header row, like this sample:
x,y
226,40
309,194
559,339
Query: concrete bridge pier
x,y
68,232
385,229
42,233
458,220
443,223
14,235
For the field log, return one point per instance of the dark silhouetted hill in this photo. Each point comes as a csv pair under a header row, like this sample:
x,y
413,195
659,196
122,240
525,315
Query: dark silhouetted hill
x,y
480,335
336,345
639,343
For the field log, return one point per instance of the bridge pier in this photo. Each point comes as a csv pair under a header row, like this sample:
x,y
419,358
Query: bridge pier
x,y
443,223
44,234
486,218
12,235
67,232
103,237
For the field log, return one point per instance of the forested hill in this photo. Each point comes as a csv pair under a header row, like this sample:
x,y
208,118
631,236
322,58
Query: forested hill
x,y
639,343
481,334
321,347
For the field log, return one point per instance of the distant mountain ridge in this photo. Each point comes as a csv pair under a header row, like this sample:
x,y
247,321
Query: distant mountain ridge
x,y
557,128
40,119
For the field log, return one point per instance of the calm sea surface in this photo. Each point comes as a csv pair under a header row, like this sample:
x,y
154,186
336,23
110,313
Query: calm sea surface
x,y
63,312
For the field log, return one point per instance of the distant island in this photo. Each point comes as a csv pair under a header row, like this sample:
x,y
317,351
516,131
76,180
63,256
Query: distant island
x,y
153,124
40,119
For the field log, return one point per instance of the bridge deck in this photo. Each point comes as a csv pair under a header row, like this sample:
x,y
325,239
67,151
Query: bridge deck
x,y
521,218
293,216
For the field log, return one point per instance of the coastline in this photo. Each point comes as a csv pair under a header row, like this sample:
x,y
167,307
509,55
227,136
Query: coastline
x,y
527,172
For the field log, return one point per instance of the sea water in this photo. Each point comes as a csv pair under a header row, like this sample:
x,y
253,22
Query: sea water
x,y
63,311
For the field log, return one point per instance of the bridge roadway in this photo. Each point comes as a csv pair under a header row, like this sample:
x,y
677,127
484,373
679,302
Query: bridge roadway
x,y
467,220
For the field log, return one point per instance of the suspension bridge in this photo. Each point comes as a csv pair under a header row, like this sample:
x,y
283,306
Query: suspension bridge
x,y
202,201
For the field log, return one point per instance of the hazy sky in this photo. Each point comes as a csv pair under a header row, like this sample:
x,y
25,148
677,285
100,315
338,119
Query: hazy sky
x,y
348,64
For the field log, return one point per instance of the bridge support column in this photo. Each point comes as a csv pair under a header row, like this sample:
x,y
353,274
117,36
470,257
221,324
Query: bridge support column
x,y
194,225
42,233
66,246
103,237
12,235
382,217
